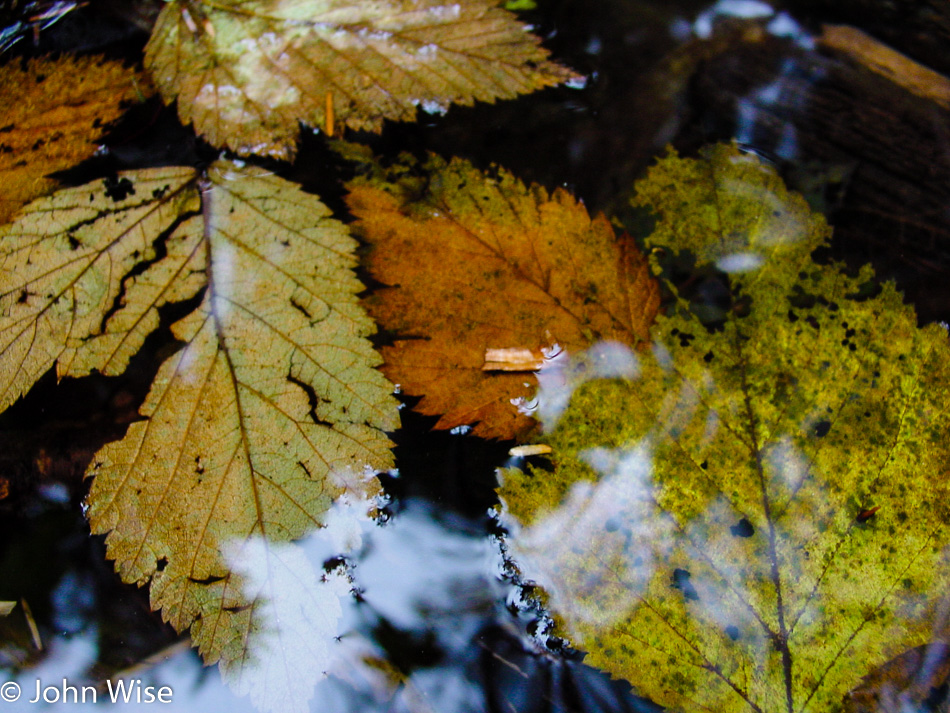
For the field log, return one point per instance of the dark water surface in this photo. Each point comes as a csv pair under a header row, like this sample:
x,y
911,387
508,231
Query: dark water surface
x,y
440,622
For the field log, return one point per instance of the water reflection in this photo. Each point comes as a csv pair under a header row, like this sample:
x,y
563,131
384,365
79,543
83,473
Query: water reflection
x,y
596,553
421,618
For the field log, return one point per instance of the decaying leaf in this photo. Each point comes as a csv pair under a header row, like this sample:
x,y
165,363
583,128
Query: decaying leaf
x,y
270,410
51,111
245,73
760,516
482,262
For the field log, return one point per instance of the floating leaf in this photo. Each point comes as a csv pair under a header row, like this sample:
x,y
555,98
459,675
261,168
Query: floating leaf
x,y
68,296
482,262
766,505
245,73
6,608
50,114
270,410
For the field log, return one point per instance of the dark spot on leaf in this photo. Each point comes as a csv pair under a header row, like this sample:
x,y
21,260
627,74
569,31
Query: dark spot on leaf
x,y
708,357
161,564
732,632
822,428
159,193
812,322
866,291
681,582
704,465
118,189
7,128
207,580
792,317
612,524
801,299
742,307
743,528
73,241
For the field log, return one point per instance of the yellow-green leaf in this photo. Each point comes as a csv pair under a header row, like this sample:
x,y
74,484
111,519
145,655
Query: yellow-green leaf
x,y
245,73
760,515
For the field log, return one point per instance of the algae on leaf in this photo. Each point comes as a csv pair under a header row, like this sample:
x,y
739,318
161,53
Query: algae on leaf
x,y
479,261
780,504
271,409
246,73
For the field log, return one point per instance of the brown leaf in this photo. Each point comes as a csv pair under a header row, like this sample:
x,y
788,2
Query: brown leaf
x,y
914,681
480,261
246,73
51,113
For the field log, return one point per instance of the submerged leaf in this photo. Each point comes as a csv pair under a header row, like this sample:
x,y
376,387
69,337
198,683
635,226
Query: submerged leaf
x,y
480,263
271,410
49,117
245,73
767,503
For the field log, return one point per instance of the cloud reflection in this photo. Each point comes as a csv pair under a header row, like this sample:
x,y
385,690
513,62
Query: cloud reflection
x,y
596,553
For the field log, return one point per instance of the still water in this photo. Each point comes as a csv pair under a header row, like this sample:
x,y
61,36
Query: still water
x,y
424,611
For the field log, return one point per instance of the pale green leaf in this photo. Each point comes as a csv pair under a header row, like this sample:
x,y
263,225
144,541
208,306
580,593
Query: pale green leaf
x,y
271,409
67,296
258,422
247,72
760,516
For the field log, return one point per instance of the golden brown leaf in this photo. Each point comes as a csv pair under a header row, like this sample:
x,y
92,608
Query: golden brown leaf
x,y
247,72
479,262
50,115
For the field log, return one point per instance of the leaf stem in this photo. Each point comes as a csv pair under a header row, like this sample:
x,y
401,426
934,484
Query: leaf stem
x,y
780,639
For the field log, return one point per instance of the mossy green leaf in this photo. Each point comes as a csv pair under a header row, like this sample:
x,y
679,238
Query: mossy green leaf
x,y
760,516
